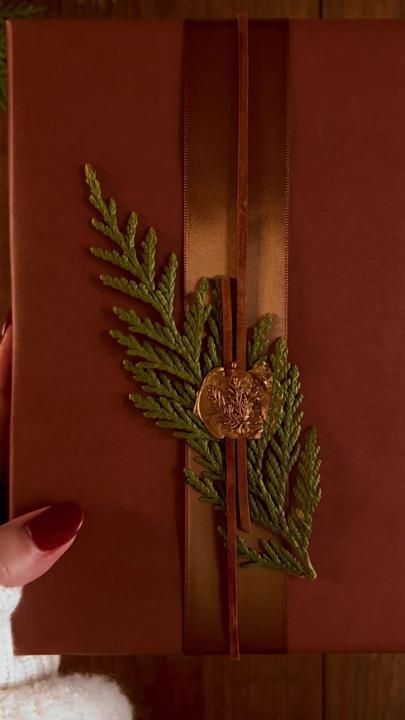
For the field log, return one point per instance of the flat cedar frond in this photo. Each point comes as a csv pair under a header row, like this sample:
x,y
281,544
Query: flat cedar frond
x,y
182,357
212,357
306,491
271,461
258,347
170,363
206,488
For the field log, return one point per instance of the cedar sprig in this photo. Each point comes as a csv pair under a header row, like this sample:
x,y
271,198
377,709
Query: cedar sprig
x,y
212,356
272,555
271,461
258,346
154,357
307,494
169,368
167,362
174,352
161,385
206,488
297,531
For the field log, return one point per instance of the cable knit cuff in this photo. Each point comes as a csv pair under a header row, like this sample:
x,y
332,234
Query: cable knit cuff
x,y
9,599
24,668
31,689
74,697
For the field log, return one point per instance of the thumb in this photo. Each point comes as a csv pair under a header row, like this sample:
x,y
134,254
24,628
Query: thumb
x,y
32,543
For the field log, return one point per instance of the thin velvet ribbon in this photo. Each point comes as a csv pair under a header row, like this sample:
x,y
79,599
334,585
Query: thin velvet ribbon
x,y
210,195
241,247
235,451
230,479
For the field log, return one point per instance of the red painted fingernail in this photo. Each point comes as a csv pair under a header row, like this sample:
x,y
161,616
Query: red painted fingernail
x,y
55,526
6,324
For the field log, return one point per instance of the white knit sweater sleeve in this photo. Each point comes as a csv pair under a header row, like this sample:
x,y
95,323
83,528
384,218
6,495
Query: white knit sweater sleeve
x,y
31,689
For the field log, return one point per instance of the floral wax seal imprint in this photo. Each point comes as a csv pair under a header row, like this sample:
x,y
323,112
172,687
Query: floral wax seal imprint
x,y
235,404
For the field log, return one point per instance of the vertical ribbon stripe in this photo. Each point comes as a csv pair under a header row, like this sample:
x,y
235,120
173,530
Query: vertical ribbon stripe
x,y
230,468
241,245
242,189
211,141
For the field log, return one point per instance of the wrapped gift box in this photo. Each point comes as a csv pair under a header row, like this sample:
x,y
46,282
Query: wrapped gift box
x,y
326,194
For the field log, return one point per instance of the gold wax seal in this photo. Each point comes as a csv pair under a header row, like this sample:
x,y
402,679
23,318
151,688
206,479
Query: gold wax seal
x,y
235,404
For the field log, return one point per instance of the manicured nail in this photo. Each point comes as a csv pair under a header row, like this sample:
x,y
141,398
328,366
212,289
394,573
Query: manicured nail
x,y
55,526
6,324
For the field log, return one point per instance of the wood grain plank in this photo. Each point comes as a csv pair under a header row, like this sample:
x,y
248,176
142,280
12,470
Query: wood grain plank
x,y
85,9
51,8
215,688
365,687
357,9
170,9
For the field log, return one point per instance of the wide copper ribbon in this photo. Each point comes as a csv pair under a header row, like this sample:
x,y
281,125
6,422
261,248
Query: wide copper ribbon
x,y
210,173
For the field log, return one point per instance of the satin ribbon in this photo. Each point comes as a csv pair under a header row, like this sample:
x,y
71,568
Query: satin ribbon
x,y
211,122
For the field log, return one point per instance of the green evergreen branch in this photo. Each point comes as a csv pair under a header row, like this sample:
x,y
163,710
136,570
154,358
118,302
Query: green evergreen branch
x,y
212,356
205,488
159,383
149,254
307,495
266,508
207,449
168,413
166,290
170,366
271,460
109,227
154,357
153,330
183,356
197,316
258,347
272,555
283,449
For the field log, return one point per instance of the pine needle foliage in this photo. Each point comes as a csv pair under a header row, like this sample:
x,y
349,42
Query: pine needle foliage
x,y
11,11
168,364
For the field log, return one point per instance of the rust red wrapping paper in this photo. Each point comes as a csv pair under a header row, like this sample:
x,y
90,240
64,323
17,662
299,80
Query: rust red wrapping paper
x,y
111,94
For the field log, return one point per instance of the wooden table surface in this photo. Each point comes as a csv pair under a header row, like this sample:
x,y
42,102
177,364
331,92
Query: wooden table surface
x,y
297,687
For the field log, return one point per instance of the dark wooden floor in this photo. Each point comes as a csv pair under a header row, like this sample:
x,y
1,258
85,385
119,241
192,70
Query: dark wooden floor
x,y
297,687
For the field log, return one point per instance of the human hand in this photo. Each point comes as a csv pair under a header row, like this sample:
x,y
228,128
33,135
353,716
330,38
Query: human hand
x,y
30,544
